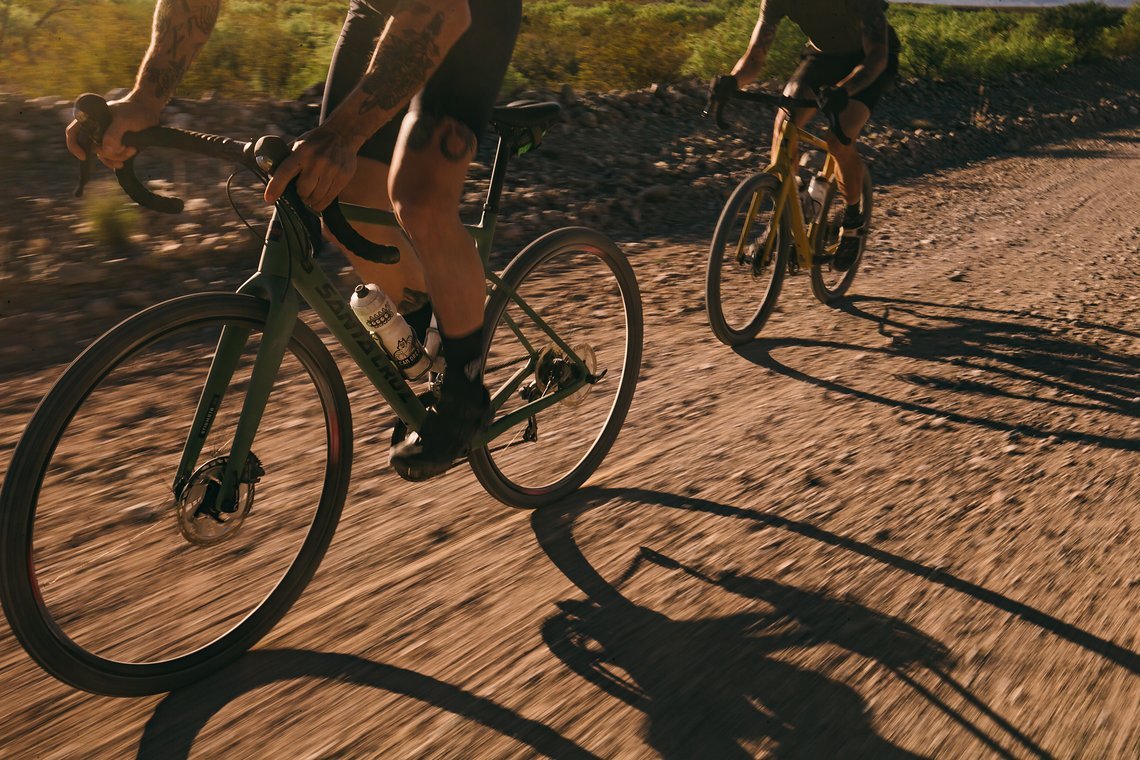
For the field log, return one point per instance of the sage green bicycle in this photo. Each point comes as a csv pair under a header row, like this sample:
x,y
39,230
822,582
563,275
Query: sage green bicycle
x,y
176,489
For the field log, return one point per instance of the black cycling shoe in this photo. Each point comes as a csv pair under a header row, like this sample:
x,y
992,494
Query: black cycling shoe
x,y
446,433
851,235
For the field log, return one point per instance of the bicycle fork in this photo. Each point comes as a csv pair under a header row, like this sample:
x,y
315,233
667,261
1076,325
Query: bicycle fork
x,y
231,344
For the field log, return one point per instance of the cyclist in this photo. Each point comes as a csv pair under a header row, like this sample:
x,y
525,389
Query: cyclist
x,y
410,89
851,57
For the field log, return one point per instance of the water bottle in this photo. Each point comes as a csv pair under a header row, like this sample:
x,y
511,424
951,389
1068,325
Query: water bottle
x,y
817,190
805,199
376,311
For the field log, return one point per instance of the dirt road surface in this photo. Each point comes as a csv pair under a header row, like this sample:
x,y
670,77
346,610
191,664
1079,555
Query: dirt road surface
x,y
908,526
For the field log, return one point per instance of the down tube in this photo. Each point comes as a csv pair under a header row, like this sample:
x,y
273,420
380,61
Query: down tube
x,y
334,311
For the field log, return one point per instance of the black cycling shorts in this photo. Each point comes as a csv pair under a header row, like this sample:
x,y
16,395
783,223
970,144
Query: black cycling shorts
x,y
818,69
464,87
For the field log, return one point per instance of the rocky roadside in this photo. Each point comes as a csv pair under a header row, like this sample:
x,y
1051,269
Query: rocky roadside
x,y
638,165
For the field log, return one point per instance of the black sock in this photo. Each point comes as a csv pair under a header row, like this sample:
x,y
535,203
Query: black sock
x,y
419,320
853,215
462,355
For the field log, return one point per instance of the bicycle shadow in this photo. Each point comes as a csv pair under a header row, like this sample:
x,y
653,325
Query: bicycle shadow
x,y
708,684
181,716
988,353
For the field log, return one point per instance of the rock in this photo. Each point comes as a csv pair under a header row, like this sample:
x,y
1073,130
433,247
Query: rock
x,y
956,276
656,193
75,273
137,299
101,308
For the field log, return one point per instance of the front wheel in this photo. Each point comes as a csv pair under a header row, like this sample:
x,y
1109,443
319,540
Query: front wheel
x,y
583,288
828,284
747,261
119,582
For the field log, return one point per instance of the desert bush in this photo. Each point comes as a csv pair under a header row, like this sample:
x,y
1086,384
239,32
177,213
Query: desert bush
x,y
1124,39
941,43
717,50
1085,23
277,48
110,217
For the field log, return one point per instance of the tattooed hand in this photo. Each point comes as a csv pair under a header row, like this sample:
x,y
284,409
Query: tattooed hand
x,y
126,116
323,160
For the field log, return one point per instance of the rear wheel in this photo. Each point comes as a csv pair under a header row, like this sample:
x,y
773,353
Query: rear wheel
x,y
828,284
747,261
582,286
111,580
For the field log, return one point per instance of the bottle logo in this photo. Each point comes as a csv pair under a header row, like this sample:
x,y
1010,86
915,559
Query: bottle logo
x,y
380,318
407,352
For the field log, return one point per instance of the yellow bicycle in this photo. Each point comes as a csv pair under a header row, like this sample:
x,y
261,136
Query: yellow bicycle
x,y
768,215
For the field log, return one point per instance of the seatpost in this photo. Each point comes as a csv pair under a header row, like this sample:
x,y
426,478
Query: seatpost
x,y
498,176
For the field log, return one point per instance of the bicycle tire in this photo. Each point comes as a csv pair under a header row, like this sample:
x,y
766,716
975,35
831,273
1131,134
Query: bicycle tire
x,y
827,236
726,234
32,622
600,250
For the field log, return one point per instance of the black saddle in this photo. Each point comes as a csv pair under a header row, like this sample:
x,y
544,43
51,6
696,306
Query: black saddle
x,y
525,114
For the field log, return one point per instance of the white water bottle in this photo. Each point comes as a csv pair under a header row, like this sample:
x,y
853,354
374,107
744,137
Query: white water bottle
x,y
817,189
376,311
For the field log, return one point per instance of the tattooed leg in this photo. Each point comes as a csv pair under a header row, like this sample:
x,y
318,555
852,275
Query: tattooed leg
x,y
429,169
369,187
456,141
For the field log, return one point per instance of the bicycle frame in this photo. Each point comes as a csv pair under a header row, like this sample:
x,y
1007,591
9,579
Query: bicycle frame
x,y
787,202
285,271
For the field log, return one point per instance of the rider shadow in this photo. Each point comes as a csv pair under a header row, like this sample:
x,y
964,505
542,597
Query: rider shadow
x,y
989,353
181,716
707,685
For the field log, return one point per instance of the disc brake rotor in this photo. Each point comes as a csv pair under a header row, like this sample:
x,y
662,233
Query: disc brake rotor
x,y
204,517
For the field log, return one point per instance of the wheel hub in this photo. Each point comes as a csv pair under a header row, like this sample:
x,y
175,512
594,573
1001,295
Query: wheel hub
x,y
555,371
205,515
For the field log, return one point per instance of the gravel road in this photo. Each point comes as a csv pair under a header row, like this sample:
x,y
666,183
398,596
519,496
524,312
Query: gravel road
x,y
907,526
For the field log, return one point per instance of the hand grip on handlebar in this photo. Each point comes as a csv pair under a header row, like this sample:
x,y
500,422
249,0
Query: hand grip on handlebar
x,y
269,152
94,116
354,241
716,105
837,129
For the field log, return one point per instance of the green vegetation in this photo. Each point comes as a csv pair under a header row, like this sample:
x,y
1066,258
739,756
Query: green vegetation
x,y
110,217
277,48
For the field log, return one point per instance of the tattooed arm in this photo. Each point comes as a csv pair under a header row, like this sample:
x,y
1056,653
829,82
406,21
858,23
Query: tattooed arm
x,y
419,35
181,28
763,35
873,20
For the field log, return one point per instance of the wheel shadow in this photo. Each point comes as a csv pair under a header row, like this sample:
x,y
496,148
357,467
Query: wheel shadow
x,y
707,685
180,717
985,353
